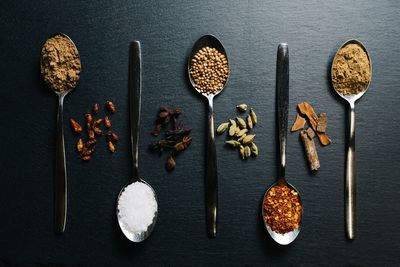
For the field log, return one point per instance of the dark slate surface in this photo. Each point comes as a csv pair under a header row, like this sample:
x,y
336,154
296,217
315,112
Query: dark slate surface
x,y
251,31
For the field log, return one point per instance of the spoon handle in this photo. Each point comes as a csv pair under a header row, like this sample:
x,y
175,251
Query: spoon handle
x,y
350,187
211,179
282,87
60,182
135,88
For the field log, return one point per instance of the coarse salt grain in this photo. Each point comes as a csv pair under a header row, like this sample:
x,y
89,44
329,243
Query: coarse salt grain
x,y
137,207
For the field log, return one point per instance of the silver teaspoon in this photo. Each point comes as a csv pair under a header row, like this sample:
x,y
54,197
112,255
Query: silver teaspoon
x,y
60,180
282,87
350,182
135,88
211,175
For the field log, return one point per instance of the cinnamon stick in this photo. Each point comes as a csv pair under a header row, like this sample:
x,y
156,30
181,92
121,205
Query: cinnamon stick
x,y
311,151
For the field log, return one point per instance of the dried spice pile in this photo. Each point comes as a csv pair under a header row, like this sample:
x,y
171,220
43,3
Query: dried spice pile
x,y
239,133
282,209
93,131
209,70
351,70
318,128
60,65
175,137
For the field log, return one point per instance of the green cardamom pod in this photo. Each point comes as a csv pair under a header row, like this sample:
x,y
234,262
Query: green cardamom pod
x,y
242,132
241,123
237,131
242,107
254,149
249,122
241,152
242,137
248,139
233,143
232,129
253,116
222,128
247,152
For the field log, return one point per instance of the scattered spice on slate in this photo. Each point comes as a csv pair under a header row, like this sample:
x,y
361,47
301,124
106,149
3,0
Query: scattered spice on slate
x,y
351,70
239,133
175,137
282,209
317,128
60,65
93,132
209,70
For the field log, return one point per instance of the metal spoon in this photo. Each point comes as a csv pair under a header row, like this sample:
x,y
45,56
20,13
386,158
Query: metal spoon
x,y
211,176
350,182
135,88
282,87
60,179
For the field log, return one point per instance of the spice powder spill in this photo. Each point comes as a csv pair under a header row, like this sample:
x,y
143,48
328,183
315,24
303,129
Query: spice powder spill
x,y
282,209
351,70
137,207
60,65
209,70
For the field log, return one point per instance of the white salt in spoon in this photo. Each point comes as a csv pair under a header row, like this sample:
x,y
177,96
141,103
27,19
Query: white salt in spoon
x,y
135,59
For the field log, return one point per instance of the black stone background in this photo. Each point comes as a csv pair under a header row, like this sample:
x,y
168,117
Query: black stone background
x,y
251,31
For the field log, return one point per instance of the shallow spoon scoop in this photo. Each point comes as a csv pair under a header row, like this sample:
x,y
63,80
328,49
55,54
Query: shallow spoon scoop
x,y
211,175
282,87
135,88
350,182
60,179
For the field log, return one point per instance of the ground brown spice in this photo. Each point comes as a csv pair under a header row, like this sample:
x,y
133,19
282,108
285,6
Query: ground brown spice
x,y
60,65
351,70
282,209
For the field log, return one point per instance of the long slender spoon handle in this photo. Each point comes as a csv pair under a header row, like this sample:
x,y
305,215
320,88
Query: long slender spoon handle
x,y
282,87
211,179
350,187
135,88
60,182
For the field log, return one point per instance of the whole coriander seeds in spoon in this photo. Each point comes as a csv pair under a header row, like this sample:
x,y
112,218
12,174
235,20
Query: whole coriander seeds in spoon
x,y
60,66
208,71
351,75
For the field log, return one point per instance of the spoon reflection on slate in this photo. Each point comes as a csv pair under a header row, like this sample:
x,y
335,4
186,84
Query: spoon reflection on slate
x,y
135,88
211,175
60,181
350,182
282,87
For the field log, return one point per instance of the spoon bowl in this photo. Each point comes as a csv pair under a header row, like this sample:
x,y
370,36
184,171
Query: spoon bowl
x,y
204,41
60,179
352,98
136,236
289,237
211,174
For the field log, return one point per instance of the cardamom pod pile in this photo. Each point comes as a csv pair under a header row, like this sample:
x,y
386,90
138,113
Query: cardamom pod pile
x,y
238,130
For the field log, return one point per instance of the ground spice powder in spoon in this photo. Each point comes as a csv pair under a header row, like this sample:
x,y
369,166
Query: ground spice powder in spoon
x,y
351,70
60,65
